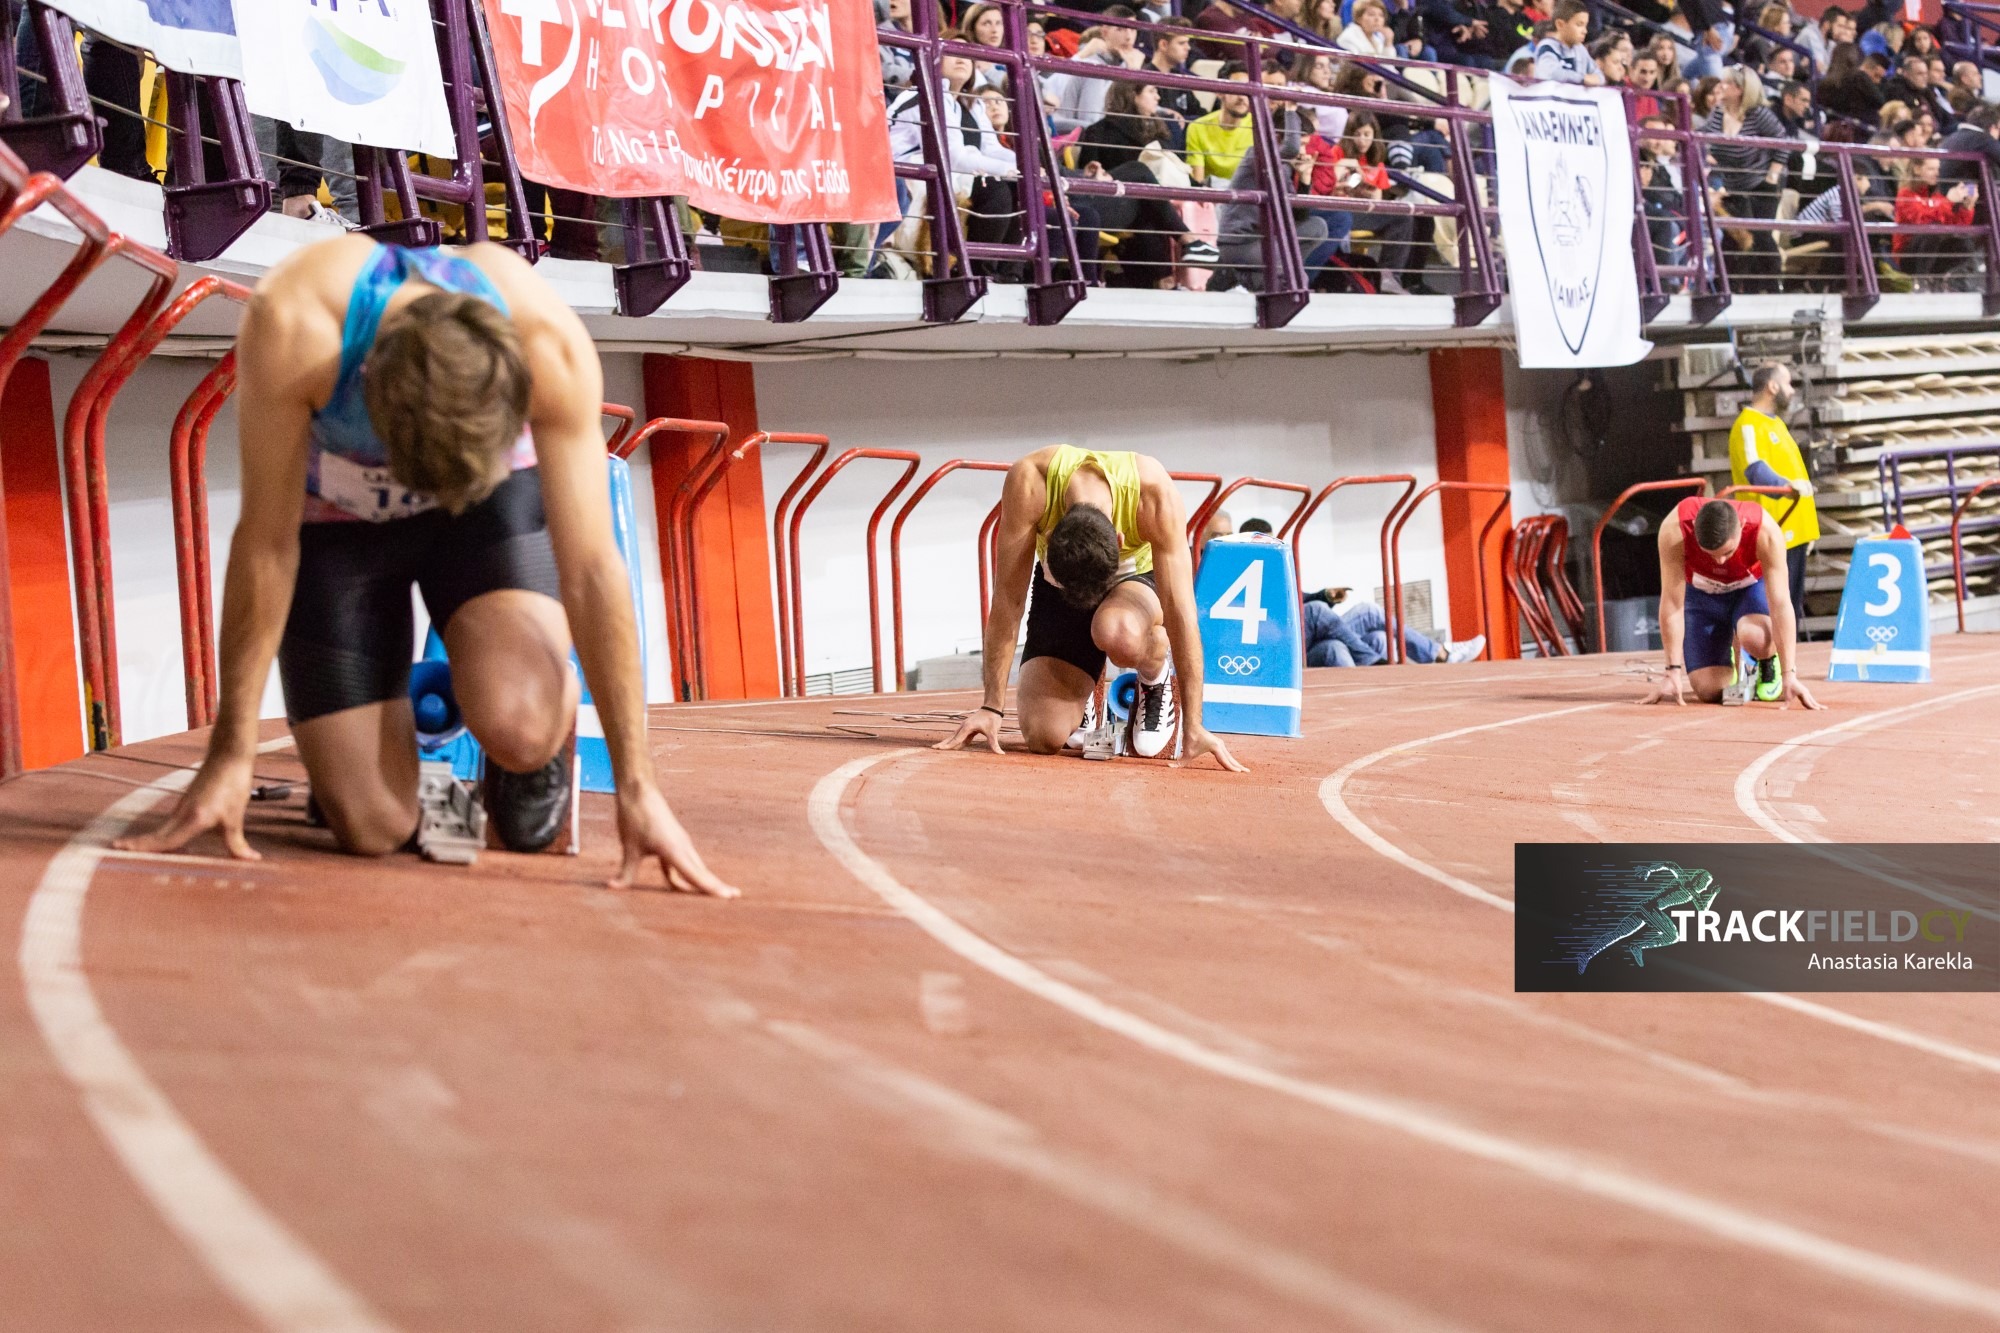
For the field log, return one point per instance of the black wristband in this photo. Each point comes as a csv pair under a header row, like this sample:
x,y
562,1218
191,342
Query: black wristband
x,y
1675,666
997,712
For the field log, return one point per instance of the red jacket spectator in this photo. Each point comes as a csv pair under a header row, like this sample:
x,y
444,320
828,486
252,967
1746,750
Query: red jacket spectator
x,y
1920,205
1329,179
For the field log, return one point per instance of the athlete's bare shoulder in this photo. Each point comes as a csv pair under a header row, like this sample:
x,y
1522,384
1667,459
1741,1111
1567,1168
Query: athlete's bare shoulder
x,y
534,305
292,327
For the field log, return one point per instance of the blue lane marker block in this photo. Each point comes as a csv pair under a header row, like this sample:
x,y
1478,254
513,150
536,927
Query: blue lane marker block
x,y
1884,630
1253,644
593,756
441,734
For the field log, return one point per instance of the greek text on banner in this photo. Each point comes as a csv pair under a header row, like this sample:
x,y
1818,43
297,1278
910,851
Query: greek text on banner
x,y
758,110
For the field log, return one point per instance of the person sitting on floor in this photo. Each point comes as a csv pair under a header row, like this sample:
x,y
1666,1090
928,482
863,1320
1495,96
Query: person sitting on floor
x,y
1359,635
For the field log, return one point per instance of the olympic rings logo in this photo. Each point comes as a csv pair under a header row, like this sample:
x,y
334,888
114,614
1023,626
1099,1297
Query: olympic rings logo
x,y
1881,633
1238,666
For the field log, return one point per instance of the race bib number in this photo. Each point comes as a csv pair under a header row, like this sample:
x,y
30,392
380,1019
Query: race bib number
x,y
1716,587
368,493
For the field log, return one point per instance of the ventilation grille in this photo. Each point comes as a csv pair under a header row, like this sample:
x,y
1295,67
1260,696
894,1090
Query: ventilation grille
x,y
854,680
1416,607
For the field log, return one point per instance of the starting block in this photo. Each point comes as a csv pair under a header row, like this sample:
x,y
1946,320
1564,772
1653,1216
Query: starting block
x,y
1884,630
1252,636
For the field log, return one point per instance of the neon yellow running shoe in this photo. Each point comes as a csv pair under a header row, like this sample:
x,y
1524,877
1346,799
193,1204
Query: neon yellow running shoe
x,y
1770,681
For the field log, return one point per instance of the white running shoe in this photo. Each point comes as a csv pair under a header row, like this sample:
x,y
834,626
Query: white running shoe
x,y
1155,718
1464,650
1088,725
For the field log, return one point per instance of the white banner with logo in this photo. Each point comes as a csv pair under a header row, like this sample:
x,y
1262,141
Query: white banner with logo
x,y
1564,179
191,36
366,73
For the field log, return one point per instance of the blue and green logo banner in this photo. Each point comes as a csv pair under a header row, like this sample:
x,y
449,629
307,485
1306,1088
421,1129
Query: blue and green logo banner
x,y
191,36
1780,917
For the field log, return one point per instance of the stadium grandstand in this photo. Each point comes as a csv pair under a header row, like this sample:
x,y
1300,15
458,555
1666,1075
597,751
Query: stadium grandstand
x,y
687,664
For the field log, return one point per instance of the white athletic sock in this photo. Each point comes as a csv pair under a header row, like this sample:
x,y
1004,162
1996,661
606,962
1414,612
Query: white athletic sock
x,y
1165,667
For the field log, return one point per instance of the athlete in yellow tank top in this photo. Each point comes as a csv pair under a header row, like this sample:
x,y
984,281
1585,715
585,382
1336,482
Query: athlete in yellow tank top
x,y
1100,541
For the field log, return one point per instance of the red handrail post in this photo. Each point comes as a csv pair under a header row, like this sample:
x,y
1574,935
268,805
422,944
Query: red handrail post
x,y
896,549
1304,516
187,483
1958,546
911,461
1213,505
626,419
1213,481
1696,484
1394,594
781,560
678,547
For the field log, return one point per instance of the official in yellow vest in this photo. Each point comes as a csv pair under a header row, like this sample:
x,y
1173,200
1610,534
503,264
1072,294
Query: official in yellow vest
x,y
1093,546
1763,453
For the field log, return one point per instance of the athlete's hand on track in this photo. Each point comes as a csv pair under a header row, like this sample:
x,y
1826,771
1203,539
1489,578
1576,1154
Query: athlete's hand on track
x,y
1796,689
980,722
648,829
1673,687
216,800
1200,741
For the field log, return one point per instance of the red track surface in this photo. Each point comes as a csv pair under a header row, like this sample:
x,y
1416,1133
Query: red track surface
x,y
1008,1043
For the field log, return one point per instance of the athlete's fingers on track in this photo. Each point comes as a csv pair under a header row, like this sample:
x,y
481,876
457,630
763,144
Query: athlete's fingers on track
x,y
239,846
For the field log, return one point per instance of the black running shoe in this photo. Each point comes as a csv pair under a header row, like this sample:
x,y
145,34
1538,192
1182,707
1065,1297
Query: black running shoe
x,y
528,810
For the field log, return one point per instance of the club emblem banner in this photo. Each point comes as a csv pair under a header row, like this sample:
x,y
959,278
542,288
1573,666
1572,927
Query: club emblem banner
x,y
191,36
1566,217
366,73
759,110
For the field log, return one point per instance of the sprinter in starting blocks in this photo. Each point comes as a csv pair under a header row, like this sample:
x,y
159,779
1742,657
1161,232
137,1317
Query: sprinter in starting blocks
x,y
1093,547
412,417
1724,589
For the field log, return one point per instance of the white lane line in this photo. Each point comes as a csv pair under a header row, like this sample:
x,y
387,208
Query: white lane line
x,y
985,1133
249,1252
1332,794
1549,1165
1751,804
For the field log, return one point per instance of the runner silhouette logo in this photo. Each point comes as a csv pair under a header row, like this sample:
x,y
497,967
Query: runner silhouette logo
x,y
1631,912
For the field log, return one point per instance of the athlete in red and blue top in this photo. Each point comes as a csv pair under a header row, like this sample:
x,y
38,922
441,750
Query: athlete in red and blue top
x,y
1724,585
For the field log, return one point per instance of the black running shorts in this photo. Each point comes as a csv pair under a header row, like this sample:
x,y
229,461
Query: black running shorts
x,y
1062,631
350,637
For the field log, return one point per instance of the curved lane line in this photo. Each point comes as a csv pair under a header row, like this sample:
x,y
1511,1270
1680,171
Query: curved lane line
x,y
249,1252
1332,794
1549,1165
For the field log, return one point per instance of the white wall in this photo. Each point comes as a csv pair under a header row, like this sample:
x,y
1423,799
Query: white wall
x,y
1305,419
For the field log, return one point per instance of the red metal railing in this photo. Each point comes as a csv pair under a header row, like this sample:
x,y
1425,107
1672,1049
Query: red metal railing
x,y
1958,546
1555,575
187,479
912,462
626,419
83,457
1520,553
1730,492
1393,612
896,549
1299,521
683,603
22,193
1214,483
1698,485
781,553
1213,505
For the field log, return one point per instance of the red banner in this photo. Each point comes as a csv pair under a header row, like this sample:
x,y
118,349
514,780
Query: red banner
x,y
758,110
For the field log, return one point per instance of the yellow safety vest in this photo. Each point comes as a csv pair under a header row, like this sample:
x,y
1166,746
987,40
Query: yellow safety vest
x,y
1755,437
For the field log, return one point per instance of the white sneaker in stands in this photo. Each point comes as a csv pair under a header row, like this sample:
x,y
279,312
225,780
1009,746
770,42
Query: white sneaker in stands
x,y
1155,718
1465,649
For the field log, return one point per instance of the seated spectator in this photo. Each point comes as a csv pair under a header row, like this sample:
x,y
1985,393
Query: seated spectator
x,y
1978,133
898,65
1661,194
1667,52
1702,97
1835,26
1778,66
1323,17
1921,41
1561,57
1219,525
1179,107
1885,39
1748,176
1149,229
1509,27
986,24
1913,85
1241,236
1354,166
1454,35
1612,54
1922,202
1369,34
985,174
1079,99
1966,76
1875,207
1643,78
1317,71
1224,20
1217,141
1358,635
1846,90
1256,527
1700,55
